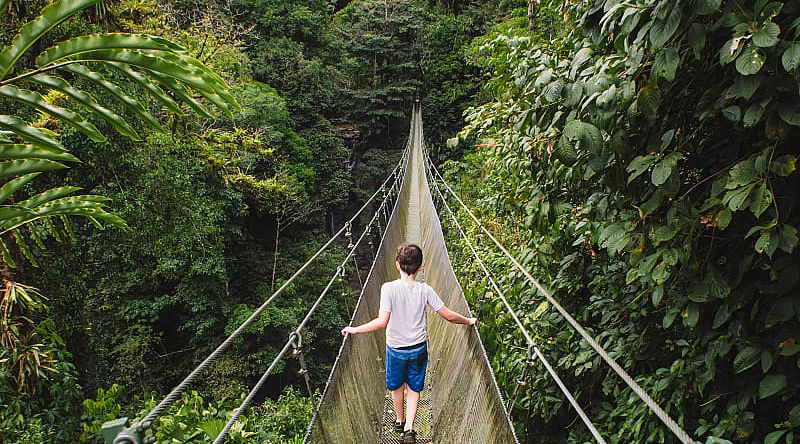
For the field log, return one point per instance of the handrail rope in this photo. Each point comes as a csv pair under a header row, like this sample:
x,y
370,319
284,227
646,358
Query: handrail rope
x,y
671,424
531,343
397,188
180,388
295,338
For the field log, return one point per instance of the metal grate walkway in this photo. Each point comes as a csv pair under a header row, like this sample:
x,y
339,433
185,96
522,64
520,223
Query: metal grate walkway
x,y
422,424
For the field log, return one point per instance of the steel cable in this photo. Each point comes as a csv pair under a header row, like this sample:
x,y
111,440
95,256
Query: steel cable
x,y
671,424
295,336
181,387
531,343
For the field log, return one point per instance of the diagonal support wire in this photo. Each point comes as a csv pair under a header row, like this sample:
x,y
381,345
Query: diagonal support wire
x,y
671,424
532,345
183,385
295,337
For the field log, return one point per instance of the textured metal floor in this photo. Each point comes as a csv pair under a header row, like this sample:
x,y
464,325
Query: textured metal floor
x,y
422,423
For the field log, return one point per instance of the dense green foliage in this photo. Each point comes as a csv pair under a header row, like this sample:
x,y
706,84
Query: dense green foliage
x,y
221,210
638,155
640,158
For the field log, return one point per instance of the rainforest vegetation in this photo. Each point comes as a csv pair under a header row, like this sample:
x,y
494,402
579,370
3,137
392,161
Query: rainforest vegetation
x,y
635,155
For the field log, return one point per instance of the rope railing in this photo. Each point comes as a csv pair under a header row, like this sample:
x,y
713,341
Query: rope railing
x,y
295,338
533,347
665,418
134,434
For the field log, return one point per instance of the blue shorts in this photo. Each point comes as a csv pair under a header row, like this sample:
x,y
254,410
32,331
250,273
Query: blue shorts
x,y
406,366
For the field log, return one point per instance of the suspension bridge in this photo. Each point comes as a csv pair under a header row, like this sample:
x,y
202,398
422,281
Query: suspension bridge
x,y
461,401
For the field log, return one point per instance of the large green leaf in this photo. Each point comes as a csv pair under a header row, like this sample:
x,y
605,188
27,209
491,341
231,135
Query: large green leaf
x,y
649,100
587,135
746,358
129,102
28,133
663,29
89,102
565,151
666,64
47,196
150,86
770,385
9,188
183,94
24,151
749,61
767,35
69,117
791,57
51,16
13,168
85,205
94,42
153,62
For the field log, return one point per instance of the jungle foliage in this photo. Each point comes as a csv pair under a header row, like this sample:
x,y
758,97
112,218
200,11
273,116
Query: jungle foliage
x,y
640,156
215,208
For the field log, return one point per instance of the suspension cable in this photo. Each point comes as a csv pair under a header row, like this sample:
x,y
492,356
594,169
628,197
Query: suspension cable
x,y
180,388
531,343
671,424
295,338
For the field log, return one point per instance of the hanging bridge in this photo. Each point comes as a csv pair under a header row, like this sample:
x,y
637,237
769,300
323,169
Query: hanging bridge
x,y
461,401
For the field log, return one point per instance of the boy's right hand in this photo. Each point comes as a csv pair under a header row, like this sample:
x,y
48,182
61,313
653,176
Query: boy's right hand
x,y
473,321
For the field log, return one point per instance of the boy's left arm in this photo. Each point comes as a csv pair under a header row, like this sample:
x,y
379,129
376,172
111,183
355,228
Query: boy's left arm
x,y
376,324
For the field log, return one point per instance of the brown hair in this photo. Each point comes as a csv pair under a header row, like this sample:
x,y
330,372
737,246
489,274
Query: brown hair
x,y
410,257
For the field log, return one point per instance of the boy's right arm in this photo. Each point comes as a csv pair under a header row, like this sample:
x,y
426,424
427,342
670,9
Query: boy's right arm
x,y
376,324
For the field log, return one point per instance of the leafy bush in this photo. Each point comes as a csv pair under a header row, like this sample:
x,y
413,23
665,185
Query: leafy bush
x,y
640,157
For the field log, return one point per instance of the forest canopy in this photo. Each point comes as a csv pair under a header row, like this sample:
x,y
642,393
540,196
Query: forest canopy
x,y
165,166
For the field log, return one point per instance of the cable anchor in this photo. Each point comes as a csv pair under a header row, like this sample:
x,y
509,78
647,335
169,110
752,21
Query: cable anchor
x,y
297,351
522,381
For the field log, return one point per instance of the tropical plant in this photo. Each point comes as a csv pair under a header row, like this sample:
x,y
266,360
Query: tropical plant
x,y
41,82
640,157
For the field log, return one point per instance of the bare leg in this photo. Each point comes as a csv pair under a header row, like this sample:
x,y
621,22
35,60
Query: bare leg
x,y
412,400
397,400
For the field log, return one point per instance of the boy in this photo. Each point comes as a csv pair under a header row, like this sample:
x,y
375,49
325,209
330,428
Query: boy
x,y
402,312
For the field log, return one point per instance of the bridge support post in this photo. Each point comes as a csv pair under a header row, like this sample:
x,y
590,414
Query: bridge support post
x,y
521,382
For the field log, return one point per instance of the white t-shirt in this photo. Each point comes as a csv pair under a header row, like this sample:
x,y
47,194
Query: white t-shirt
x,y
406,301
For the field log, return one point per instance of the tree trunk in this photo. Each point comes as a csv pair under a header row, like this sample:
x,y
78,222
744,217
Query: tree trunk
x,y
275,255
532,14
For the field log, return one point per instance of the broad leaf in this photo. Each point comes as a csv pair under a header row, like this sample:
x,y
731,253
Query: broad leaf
x,y
29,133
12,168
663,29
750,61
767,35
93,42
89,102
129,102
791,57
69,117
770,385
51,16
23,151
746,358
9,188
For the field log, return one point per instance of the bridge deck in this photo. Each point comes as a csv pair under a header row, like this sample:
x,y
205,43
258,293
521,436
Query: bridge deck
x,y
424,419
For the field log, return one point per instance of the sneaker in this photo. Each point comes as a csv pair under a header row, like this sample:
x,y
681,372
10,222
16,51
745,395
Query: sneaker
x,y
410,437
399,426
